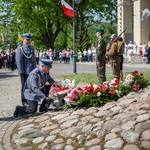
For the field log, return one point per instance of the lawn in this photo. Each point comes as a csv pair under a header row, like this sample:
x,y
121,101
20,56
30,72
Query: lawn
x,y
92,78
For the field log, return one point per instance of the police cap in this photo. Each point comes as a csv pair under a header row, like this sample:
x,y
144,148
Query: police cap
x,y
46,62
27,36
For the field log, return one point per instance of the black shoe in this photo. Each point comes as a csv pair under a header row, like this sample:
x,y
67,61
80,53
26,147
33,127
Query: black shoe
x,y
16,112
45,109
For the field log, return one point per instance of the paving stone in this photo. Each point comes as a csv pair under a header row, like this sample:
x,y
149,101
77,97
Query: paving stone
x,y
114,144
131,147
146,135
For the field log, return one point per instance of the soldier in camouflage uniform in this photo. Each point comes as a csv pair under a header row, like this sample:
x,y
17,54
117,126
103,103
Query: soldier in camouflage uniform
x,y
100,56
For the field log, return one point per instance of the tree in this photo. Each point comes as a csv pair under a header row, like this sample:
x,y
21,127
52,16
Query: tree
x,y
45,20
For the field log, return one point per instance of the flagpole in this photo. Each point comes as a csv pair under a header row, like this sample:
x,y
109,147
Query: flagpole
x,y
74,36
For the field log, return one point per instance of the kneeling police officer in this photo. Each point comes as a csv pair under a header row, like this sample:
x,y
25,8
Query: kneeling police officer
x,y
36,89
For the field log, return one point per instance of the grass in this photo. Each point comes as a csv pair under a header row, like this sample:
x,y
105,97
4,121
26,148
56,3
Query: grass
x,y
85,78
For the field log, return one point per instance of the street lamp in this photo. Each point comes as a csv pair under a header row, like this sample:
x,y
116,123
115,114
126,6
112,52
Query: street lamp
x,y
74,37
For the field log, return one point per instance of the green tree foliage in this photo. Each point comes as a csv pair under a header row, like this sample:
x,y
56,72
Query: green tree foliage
x,y
82,40
46,21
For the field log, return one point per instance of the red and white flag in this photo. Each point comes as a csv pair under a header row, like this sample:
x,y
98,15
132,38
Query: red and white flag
x,y
67,9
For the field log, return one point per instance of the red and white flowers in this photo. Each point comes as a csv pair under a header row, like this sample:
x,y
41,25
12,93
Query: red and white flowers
x,y
61,88
97,95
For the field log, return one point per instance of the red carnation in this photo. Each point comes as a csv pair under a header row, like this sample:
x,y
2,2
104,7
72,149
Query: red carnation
x,y
135,72
111,92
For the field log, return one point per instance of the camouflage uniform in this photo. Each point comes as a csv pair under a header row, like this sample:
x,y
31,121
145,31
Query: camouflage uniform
x,y
101,59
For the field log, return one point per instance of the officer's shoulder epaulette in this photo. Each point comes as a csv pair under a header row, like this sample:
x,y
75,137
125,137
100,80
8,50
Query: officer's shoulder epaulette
x,y
20,45
37,71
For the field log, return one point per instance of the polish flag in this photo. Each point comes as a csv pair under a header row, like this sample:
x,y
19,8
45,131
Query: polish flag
x,y
67,9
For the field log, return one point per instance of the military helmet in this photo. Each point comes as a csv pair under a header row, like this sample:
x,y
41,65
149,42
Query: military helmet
x,y
113,36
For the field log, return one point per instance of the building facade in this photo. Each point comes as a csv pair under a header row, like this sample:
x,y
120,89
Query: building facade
x,y
129,15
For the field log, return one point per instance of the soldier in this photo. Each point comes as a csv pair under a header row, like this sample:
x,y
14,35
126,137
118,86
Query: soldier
x,y
100,56
35,89
114,58
120,51
25,60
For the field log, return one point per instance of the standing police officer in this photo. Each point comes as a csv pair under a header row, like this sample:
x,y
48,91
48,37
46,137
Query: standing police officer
x,y
36,89
25,60
100,56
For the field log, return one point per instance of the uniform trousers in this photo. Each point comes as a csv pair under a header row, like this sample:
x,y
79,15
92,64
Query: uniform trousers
x,y
32,106
101,69
23,80
115,67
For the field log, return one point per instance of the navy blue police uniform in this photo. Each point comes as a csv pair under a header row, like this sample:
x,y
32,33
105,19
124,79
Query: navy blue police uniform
x,y
36,89
25,61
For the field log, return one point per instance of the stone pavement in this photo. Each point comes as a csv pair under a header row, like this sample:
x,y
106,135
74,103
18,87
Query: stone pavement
x,y
121,125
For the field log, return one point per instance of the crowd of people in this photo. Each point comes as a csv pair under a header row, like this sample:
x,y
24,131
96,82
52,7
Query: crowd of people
x,y
7,57
141,50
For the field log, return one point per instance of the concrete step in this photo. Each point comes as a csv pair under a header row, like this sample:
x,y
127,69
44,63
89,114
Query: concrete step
x,y
136,59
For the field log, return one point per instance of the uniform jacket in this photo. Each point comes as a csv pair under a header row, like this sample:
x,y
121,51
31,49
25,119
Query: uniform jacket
x,y
35,81
112,53
100,49
25,59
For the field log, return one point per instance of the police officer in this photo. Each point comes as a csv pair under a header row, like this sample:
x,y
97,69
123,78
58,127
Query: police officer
x,y
114,58
100,56
36,89
25,61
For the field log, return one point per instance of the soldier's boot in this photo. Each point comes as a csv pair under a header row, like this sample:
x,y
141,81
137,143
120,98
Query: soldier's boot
x,y
16,112
20,111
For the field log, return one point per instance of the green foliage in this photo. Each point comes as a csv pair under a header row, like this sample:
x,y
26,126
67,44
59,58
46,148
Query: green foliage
x,y
82,41
91,98
140,79
46,21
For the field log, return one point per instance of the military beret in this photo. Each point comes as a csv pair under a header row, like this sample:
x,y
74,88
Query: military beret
x,y
100,30
46,62
27,36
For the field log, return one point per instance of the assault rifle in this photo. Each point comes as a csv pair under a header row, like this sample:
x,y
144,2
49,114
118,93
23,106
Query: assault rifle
x,y
116,39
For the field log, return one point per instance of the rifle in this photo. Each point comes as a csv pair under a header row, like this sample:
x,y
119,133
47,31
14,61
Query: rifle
x,y
107,59
116,39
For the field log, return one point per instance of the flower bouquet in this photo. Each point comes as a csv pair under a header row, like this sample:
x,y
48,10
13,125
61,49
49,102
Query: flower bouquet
x,y
61,88
97,95
136,80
